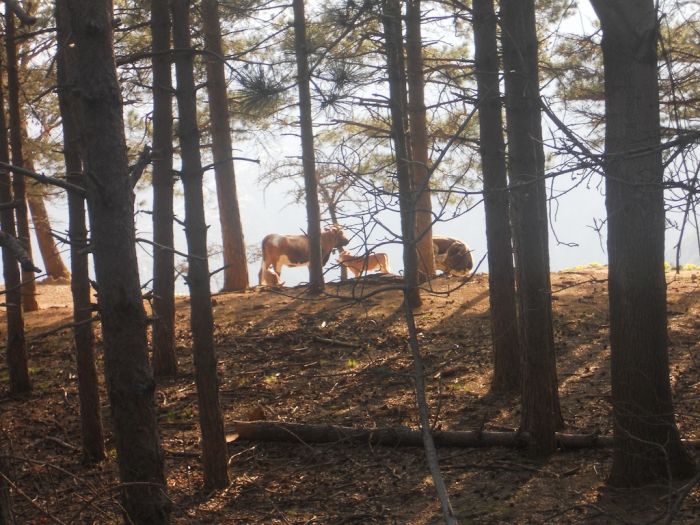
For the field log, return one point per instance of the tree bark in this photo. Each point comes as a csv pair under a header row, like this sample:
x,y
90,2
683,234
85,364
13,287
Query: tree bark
x,y
16,352
29,301
164,358
201,318
647,441
393,39
313,210
88,387
128,374
504,323
417,121
235,260
541,412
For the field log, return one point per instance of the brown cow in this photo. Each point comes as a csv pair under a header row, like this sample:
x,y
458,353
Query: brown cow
x,y
293,250
452,255
364,263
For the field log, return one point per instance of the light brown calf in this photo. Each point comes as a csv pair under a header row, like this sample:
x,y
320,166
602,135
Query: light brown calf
x,y
358,264
293,250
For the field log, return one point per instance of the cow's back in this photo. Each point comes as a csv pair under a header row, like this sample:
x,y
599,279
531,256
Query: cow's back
x,y
290,250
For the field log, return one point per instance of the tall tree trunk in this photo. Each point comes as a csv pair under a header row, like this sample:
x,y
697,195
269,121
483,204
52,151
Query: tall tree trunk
x,y
647,441
313,210
541,414
164,358
420,173
393,39
333,213
88,388
16,351
54,265
128,374
235,261
504,324
214,450
18,184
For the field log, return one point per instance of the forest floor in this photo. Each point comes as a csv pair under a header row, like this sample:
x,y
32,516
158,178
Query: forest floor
x,y
342,361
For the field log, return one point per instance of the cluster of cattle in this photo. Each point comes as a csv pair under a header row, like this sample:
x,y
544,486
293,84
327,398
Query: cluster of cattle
x,y
451,255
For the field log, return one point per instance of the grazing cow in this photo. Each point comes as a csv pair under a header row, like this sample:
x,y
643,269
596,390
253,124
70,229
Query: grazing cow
x,y
364,263
293,250
452,255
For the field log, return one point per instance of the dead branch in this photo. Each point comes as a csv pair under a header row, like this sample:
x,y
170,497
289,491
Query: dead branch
x,y
20,13
136,171
31,501
10,205
44,179
336,342
406,437
17,250
168,248
63,327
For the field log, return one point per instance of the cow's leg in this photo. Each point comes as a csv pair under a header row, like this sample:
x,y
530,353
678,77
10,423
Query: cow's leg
x,y
264,265
278,268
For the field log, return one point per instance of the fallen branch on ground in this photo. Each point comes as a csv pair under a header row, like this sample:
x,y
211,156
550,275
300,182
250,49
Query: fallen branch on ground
x,y
336,342
403,436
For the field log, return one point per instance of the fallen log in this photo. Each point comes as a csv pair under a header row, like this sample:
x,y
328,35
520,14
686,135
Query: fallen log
x,y
404,436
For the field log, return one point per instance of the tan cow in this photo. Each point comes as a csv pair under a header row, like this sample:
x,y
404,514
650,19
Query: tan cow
x,y
293,250
452,255
358,264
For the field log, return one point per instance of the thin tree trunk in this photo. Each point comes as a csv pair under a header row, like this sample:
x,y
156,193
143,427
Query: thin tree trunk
x,y
393,42
88,388
647,441
313,210
541,414
235,261
420,173
214,451
164,358
16,351
397,102
128,374
504,325
29,301
53,263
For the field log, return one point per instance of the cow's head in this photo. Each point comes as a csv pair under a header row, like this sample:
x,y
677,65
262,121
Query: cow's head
x,y
459,258
337,234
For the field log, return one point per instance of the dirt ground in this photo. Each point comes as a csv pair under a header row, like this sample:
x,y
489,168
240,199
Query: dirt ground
x,y
344,361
